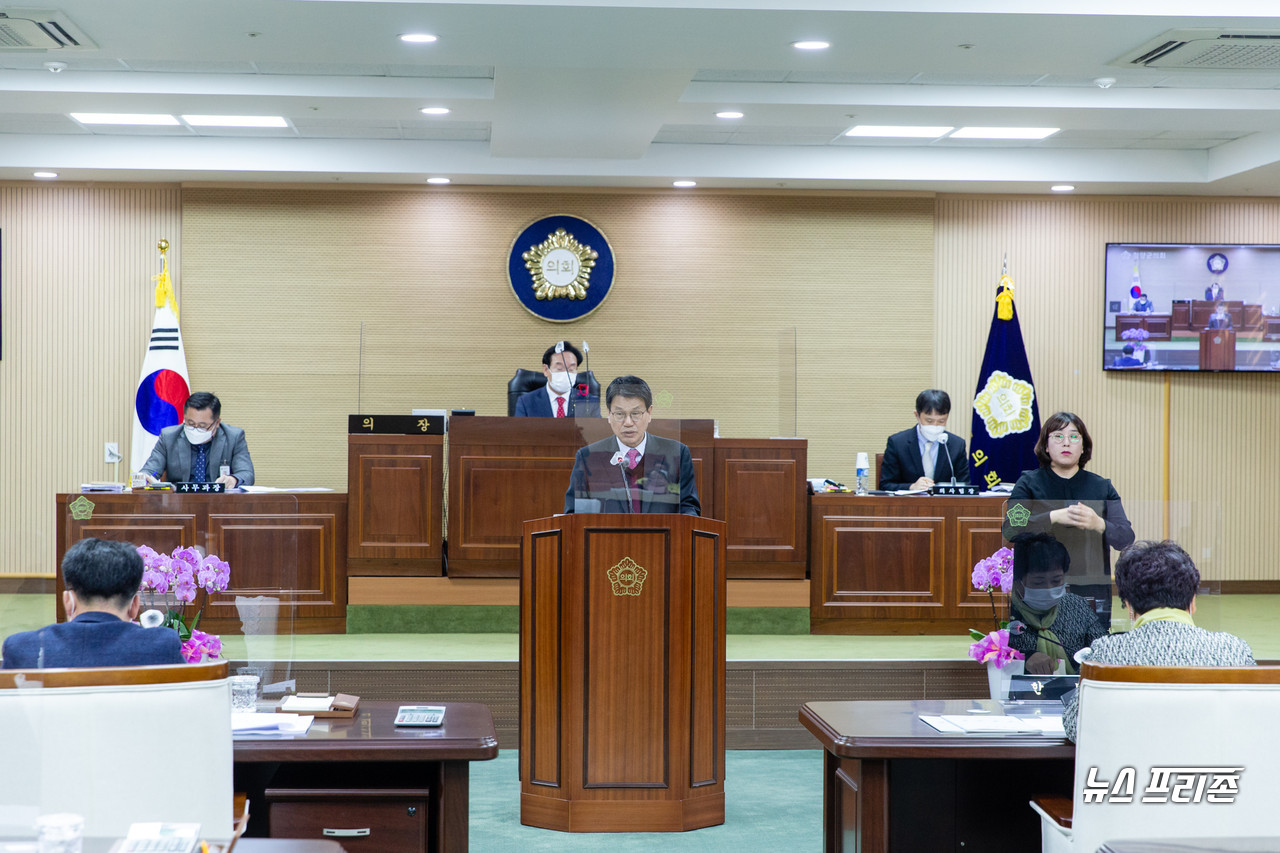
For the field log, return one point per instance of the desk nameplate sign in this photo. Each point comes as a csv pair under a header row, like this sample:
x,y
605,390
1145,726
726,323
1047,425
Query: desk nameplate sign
x,y
201,488
395,425
954,490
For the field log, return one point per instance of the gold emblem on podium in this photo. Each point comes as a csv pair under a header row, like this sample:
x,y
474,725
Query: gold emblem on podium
x,y
560,266
627,577
81,508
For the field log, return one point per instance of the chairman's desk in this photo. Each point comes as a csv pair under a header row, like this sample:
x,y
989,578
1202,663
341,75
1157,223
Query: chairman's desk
x,y
893,783
504,471
899,564
407,786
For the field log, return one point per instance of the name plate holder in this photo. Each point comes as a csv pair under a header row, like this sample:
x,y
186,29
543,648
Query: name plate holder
x,y
395,425
201,488
963,490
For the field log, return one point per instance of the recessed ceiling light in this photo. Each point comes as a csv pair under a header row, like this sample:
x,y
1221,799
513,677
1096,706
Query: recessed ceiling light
x,y
729,114
235,121
45,176
1062,188
895,130
434,111
684,183
125,118
417,38
811,45
437,180
1004,132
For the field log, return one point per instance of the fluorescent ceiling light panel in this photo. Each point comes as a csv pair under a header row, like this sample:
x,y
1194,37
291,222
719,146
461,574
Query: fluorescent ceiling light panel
x,y
899,131
45,176
684,184
235,121
811,45
728,114
1004,132
125,118
1062,188
434,111
418,38
437,180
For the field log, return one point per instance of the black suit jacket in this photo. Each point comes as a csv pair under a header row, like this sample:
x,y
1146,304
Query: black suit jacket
x,y
1209,294
171,457
1216,323
537,404
663,479
902,464
92,639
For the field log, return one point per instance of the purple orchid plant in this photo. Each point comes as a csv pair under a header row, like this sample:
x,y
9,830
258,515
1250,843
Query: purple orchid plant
x,y
180,578
991,574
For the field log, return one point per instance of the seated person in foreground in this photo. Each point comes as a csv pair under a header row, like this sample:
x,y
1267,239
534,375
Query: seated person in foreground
x,y
1128,359
196,450
1220,318
632,471
917,457
1157,583
561,397
101,600
1055,622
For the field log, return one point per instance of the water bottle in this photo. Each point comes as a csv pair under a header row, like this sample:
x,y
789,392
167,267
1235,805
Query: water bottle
x,y
864,471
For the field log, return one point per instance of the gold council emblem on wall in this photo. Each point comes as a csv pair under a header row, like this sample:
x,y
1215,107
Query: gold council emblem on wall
x,y
627,577
560,266
1005,404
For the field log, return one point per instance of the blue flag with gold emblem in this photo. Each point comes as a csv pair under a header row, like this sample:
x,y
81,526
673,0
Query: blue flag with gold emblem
x,y
1006,419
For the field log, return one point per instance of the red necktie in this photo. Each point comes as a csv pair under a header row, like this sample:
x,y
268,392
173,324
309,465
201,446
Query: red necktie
x,y
559,407
633,459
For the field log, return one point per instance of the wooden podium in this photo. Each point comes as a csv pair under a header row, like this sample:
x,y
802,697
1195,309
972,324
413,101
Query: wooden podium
x,y
622,668
1218,349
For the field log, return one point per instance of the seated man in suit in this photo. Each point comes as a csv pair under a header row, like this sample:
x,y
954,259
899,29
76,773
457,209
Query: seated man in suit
x,y
1214,292
1143,304
201,449
101,599
1127,360
1220,318
912,458
1157,582
632,471
560,397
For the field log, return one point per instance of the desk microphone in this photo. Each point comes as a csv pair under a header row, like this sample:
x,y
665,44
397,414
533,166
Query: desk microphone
x,y
620,459
947,451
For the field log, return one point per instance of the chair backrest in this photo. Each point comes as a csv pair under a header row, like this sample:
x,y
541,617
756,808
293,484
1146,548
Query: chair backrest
x,y
118,745
527,380
1197,744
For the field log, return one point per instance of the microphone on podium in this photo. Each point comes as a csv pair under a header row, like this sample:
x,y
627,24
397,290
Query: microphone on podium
x,y
620,459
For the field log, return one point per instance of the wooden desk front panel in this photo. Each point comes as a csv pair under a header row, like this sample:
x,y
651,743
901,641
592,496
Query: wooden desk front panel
x,y
760,493
290,547
1158,326
898,564
505,471
396,515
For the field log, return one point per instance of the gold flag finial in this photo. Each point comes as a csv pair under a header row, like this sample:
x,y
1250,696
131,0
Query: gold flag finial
x,y
164,284
1004,298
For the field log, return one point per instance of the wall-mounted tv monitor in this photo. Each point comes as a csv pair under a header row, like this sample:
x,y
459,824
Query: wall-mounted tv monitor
x,y
1191,307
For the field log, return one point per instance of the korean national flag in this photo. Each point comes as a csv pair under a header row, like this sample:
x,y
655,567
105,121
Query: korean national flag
x,y
163,387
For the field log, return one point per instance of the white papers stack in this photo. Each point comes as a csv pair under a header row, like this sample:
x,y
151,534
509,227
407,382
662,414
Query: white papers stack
x,y
270,724
305,704
263,490
979,724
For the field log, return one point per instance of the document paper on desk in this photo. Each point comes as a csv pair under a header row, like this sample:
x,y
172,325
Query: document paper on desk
x,y
270,724
979,724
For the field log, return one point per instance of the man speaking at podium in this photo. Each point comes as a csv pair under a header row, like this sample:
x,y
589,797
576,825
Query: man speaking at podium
x,y
201,447
632,471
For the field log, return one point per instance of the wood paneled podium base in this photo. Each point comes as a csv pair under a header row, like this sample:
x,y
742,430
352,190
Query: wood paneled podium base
x,y
622,673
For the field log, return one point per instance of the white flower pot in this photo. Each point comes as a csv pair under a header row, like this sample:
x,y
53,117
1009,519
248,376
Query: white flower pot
x,y
998,678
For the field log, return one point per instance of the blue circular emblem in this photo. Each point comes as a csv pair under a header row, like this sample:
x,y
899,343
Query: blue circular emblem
x,y
1217,263
560,268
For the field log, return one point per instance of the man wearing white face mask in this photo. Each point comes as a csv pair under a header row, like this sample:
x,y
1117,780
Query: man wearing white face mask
x,y
201,449
1047,623
563,396
917,458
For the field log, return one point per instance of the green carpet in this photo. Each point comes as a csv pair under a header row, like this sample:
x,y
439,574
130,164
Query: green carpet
x,y
773,801
505,619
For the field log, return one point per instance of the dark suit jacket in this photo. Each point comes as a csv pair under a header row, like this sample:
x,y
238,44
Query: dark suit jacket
x,y
1126,361
1215,323
92,639
172,455
1209,294
663,479
537,404
902,465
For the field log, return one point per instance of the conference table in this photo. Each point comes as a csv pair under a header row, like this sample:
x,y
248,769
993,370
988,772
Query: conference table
x,y
893,783
382,788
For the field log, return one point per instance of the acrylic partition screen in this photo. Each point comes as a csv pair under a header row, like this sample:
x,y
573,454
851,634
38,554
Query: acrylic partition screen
x,y
1191,307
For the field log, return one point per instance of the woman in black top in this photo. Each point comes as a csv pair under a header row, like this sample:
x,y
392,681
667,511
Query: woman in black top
x,y
1077,507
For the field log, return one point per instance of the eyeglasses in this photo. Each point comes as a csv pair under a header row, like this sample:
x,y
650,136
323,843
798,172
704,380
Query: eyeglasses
x,y
1064,438
621,417
194,425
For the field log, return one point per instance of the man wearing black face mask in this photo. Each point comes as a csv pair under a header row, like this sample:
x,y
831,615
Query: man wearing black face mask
x,y
201,449
1047,623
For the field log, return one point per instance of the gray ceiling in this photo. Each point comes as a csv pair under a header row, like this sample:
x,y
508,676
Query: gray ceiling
x,y
625,93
